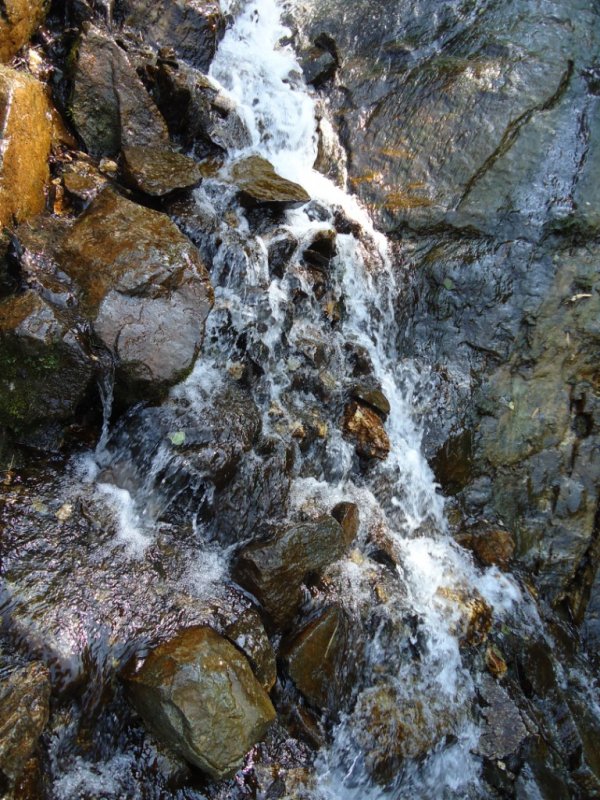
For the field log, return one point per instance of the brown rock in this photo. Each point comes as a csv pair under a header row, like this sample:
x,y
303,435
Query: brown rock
x,y
19,19
145,289
494,547
157,172
317,659
26,136
248,633
24,710
83,181
199,696
348,516
365,426
495,662
475,614
374,398
259,183
274,571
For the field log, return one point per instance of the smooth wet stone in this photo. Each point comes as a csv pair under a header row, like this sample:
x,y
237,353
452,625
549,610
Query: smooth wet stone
x,y
348,515
24,711
26,136
193,28
452,464
18,22
44,368
109,106
247,633
197,693
145,289
275,570
365,427
157,172
259,183
318,659
372,397
493,547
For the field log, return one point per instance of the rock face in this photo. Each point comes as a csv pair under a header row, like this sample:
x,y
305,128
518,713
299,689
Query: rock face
x,y
198,695
24,710
318,659
109,106
366,428
274,571
157,172
259,183
192,28
145,289
44,368
26,133
19,19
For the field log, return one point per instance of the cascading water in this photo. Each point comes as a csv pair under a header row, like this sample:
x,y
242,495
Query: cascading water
x,y
436,583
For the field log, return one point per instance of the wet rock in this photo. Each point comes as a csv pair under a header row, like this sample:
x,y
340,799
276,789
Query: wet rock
x,y
453,462
495,663
372,397
157,172
83,182
24,711
145,289
321,249
318,65
247,633
474,614
198,114
197,693
504,730
18,22
192,28
109,106
26,133
259,183
281,251
275,570
348,515
494,547
366,428
44,367
318,659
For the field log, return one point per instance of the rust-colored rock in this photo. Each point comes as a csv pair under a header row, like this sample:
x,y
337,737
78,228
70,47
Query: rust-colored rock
x,y
475,615
157,172
365,426
494,547
26,138
19,19
348,516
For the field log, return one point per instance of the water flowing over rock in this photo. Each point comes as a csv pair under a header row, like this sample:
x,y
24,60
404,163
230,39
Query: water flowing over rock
x,y
200,696
26,133
144,286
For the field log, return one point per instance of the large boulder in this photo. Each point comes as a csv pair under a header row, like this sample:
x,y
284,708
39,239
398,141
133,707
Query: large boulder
x,y
44,367
145,289
192,28
19,19
275,570
24,711
197,693
109,106
26,136
258,183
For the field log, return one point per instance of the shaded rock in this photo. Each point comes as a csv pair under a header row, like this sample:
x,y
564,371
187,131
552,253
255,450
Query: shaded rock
x,y
19,19
492,547
259,183
453,462
26,135
318,65
193,28
366,428
24,711
109,106
274,571
281,250
248,633
348,516
157,172
44,368
372,397
145,289
198,114
321,250
318,659
504,730
197,693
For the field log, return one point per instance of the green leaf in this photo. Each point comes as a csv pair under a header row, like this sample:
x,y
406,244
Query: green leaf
x,y
448,284
177,438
